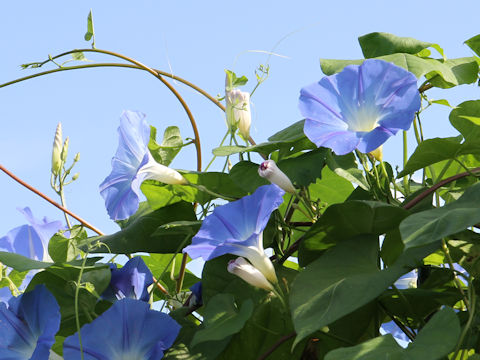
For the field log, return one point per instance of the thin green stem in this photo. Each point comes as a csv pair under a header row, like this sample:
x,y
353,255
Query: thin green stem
x,y
61,193
77,291
408,305
444,169
469,321
446,251
405,159
215,156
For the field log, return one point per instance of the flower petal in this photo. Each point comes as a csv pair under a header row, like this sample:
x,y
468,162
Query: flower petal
x,y
135,332
235,225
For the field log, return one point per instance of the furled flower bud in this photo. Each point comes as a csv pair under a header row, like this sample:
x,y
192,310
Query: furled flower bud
x,y
270,171
65,150
162,173
238,112
57,150
77,157
243,269
75,176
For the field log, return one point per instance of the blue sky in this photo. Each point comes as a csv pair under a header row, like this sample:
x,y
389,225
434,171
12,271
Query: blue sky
x,y
197,41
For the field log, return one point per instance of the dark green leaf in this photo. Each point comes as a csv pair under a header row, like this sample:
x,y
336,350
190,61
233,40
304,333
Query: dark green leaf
x,y
379,348
474,44
378,43
245,175
331,188
145,233
222,318
346,167
22,263
216,185
466,119
429,226
344,221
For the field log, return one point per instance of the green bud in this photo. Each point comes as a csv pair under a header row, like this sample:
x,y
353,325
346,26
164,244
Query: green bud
x,y
57,150
65,150
77,157
75,176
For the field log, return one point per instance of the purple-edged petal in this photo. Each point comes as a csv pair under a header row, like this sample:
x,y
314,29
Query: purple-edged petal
x,y
359,100
128,330
131,281
28,326
236,225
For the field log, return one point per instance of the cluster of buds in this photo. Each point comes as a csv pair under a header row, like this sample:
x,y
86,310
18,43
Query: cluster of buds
x,y
238,109
60,153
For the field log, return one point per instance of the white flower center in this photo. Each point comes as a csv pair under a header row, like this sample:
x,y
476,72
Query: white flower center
x,y
364,118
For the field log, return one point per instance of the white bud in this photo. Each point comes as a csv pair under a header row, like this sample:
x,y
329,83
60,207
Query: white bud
x,y
377,153
247,272
57,150
65,150
162,173
270,171
238,112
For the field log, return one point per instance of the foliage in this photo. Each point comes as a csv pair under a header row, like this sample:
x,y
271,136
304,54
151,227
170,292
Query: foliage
x,y
338,243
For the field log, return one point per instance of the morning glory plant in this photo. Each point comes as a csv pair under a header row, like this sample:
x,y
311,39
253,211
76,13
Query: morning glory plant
x,y
237,228
28,325
127,330
360,107
131,281
29,240
131,165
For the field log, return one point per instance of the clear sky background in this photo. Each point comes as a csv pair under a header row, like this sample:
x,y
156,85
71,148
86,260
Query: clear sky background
x,y
195,40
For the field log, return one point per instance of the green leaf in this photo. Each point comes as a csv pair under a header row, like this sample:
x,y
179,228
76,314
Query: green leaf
x,y
443,325
345,278
152,231
305,169
379,43
60,281
78,56
90,30
451,72
245,175
466,119
233,81
222,318
346,220
346,167
22,263
331,188
160,195
64,249
379,348
474,44
171,144
431,151
429,226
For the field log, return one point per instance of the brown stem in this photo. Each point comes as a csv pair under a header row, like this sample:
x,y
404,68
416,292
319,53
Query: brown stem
x,y
42,195
276,345
438,185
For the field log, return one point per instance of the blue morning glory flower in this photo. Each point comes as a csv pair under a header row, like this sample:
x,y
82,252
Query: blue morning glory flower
x,y
237,227
131,165
128,330
29,240
131,281
196,298
360,107
28,325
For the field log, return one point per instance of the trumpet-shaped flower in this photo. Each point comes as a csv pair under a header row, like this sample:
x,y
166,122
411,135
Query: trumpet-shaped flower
x,y
28,325
237,227
360,107
131,281
270,171
131,165
244,270
29,240
128,330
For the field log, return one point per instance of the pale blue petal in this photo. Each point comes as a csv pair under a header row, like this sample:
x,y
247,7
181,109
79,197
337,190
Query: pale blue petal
x,y
133,330
373,101
238,223
121,189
